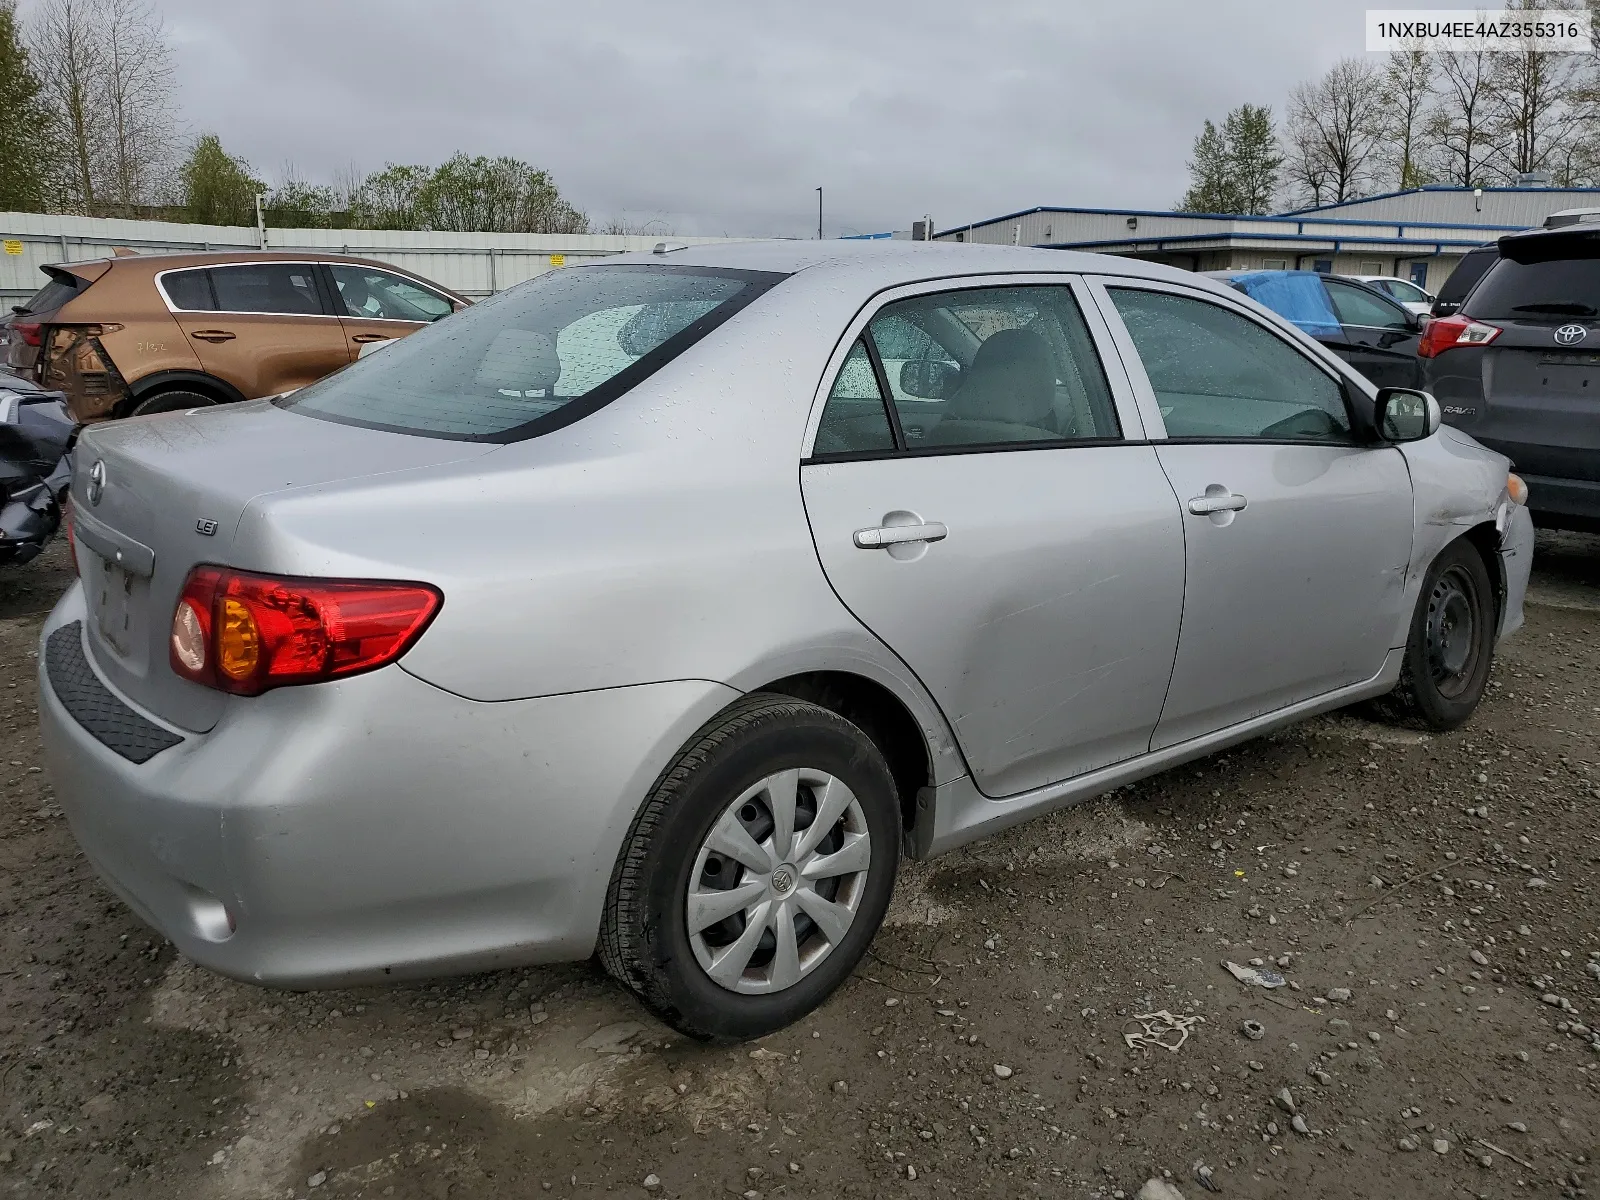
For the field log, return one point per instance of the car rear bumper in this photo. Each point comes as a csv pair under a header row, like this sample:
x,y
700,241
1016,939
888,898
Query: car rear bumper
x,y
375,828
1564,501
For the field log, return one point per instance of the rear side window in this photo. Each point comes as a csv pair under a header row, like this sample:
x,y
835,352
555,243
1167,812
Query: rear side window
x,y
1219,375
189,291
53,295
537,357
1468,271
1357,306
276,288
1546,289
854,419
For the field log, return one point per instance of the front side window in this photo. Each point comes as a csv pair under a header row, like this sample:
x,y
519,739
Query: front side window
x,y
367,292
1356,306
535,357
1217,374
993,366
270,287
1406,293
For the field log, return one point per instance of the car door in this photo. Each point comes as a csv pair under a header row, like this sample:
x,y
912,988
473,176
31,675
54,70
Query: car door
x,y
1001,526
1382,336
1297,531
269,329
378,306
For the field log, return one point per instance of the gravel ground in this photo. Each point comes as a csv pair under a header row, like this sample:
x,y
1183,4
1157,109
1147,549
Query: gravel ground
x,y
1432,903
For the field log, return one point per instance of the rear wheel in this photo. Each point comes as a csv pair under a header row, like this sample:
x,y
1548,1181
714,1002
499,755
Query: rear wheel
x,y
757,872
1451,645
174,401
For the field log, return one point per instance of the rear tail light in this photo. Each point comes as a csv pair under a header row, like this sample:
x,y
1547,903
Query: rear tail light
x,y
28,331
72,541
245,633
1449,333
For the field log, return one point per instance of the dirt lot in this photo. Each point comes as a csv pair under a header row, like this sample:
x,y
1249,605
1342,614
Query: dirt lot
x,y
1434,904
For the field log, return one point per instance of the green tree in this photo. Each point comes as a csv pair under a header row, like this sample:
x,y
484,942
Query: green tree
x,y
1253,158
296,204
26,147
1234,169
389,199
500,194
1211,187
218,188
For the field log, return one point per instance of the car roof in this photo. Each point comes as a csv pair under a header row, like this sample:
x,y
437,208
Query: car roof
x,y
889,262
171,260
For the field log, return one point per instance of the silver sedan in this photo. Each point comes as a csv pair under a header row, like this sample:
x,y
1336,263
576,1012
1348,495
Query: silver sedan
x,y
660,606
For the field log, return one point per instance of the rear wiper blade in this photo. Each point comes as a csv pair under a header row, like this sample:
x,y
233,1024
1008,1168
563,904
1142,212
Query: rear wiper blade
x,y
1566,310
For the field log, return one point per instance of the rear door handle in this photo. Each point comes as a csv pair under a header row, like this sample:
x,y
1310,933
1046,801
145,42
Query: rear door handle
x,y
369,337
213,335
1217,499
898,535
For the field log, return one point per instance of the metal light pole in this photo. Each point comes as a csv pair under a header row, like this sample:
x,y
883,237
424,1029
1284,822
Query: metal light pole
x,y
819,214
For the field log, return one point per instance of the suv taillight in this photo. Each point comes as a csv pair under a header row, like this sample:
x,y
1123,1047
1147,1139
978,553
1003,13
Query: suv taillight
x,y
245,633
1449,333
28,331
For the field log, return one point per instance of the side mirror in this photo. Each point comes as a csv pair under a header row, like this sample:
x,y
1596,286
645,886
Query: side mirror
x,y
1406,415
928,378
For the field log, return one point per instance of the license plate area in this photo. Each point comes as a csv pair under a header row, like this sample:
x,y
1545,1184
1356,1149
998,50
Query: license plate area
x,y
117,600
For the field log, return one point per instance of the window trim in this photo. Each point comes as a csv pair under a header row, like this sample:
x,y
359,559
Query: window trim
x,y
161,288
1124,399
1350,384
336,302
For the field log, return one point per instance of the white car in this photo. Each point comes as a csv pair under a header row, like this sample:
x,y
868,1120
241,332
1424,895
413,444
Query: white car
x,y
1408,294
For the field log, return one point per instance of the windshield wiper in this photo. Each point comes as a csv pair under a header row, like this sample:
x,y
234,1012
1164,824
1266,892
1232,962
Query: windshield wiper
x,y
1566,310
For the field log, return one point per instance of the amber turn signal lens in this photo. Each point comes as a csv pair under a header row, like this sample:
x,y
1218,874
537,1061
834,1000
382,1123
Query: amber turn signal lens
x,y
1516,489
238,640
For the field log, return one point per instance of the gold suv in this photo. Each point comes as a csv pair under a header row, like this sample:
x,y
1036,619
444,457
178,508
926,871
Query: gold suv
x,y
154,333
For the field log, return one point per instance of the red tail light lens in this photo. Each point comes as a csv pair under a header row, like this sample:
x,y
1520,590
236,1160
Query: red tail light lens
x,y
1448,333
28,331
72,541
245,633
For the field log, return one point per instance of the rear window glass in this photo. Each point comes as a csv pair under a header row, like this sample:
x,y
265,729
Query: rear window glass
x,y
54,294
189,290
536,357
1541,291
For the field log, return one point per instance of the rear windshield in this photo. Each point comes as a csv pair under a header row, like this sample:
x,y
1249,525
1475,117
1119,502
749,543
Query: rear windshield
x,y
1468,271
54,294
537,357
1550,289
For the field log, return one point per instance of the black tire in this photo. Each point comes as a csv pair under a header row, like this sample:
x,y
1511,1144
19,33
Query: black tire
x,y
173,401
645,942
1446,666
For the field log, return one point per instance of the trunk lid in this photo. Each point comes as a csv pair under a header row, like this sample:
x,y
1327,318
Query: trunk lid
x,y
1541,396
153,497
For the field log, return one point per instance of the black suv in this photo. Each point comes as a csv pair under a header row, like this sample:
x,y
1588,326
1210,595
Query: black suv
x,y
1519,368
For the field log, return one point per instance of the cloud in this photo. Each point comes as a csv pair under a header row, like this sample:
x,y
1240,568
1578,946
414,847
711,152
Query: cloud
x,y
715,117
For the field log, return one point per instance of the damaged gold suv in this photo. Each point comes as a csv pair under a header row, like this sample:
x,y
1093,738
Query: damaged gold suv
x,y
147,333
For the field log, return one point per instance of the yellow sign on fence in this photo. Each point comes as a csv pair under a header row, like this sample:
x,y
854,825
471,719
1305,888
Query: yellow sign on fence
x,y
558,260
13,245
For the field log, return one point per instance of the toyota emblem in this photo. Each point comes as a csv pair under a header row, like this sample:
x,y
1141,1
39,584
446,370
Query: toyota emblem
x,y
1571,335
97,482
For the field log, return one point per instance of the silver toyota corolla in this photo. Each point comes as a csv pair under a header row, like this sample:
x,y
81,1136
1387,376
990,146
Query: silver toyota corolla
x,y
659,606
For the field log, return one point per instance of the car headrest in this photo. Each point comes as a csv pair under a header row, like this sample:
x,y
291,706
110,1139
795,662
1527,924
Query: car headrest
x,y
520,360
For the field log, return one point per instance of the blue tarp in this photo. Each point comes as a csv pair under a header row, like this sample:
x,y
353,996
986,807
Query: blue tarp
x,y
1297,295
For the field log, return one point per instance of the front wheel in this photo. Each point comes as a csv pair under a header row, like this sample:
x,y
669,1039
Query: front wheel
x,y
756,873
1451,644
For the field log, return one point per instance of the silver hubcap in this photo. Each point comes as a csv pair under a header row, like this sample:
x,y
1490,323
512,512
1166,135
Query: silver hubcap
x,y
778,881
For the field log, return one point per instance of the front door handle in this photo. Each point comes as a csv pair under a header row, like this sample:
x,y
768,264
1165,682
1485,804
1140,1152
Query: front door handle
x,y
369,337
213,335
1216,500
899,535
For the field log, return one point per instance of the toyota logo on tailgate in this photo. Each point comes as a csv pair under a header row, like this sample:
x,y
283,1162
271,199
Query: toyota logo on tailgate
x,y
1570,335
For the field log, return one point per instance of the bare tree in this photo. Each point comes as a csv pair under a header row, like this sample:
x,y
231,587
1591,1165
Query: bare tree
x,y
1534,104
1335,129
137,92
1408,96
1462,126
68,54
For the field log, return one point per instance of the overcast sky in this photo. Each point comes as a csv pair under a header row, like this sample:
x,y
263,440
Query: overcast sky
x,y
717,117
